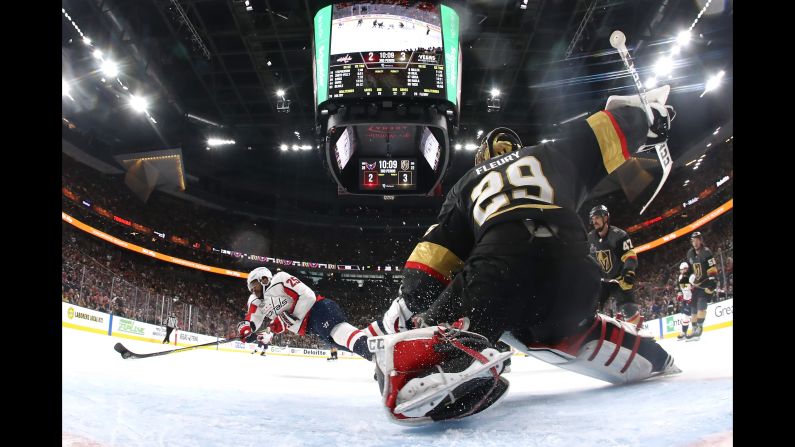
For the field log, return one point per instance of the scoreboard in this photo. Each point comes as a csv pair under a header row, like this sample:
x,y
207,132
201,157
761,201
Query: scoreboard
x,y
366,49
387,73
387,174
387,85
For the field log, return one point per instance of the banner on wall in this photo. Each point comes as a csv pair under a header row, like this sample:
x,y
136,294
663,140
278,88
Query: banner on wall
x,y
720,314
83,317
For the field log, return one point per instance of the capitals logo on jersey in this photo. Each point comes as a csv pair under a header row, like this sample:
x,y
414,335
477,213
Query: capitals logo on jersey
x,y
604,259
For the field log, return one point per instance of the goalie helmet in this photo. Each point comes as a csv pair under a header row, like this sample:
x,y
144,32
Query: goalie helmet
x,y
684,266
499,141
261,275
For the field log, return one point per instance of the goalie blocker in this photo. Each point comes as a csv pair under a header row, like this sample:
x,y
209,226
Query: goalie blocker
x,y
438,373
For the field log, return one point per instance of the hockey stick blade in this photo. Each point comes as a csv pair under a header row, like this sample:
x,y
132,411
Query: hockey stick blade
x,y
664,156
125,353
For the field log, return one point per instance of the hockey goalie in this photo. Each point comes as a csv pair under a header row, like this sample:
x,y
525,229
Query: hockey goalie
x,y
509,258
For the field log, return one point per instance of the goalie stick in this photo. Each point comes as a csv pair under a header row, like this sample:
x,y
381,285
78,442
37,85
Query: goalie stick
x,y
618,41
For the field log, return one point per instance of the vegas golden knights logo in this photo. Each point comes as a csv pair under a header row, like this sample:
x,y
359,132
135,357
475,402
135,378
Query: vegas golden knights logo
x,y
604,259
404,165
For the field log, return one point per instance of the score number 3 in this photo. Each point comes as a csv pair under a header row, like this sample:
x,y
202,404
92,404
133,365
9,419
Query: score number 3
x,y
493,184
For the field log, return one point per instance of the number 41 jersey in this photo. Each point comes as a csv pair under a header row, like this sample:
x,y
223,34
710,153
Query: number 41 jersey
x,y
547,182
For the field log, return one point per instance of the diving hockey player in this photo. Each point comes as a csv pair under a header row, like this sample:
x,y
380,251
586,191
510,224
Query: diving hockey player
x,y
283,303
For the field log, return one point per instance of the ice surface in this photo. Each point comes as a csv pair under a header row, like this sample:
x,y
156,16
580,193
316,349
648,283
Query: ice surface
x,y
208,398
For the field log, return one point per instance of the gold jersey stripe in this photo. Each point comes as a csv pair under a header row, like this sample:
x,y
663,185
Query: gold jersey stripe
x,y
436,257
611,140
627,255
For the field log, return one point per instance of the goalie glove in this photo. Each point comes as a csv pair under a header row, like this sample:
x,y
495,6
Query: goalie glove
x,y
658,114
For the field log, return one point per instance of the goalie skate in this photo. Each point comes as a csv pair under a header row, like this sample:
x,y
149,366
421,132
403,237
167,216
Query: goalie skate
x,y
425,393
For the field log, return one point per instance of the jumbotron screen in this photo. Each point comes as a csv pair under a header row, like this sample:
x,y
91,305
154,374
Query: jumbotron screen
x,y
386,50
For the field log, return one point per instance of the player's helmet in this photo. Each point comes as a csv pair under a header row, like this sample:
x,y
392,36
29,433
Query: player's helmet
x,y
684,266
497,142
261,275
599,210
696,235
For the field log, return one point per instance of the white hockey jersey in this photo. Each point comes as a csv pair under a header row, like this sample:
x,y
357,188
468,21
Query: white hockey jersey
x,y
685,284
265,338
287,303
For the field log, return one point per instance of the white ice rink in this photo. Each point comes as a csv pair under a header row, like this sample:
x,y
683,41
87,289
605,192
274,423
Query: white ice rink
x,y
349,37
207,398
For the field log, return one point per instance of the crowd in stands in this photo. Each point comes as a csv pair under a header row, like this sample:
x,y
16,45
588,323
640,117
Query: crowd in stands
x,y
200,229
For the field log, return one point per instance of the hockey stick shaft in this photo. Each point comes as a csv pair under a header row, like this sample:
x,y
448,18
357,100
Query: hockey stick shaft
x,y
618,41
127,354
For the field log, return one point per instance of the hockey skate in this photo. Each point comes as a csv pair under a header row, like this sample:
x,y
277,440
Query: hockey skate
x,y
696,335
437,387
681,336
668,370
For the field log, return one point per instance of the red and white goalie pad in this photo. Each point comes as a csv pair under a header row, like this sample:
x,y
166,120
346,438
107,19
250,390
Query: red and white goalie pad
x,y
608,350
434,373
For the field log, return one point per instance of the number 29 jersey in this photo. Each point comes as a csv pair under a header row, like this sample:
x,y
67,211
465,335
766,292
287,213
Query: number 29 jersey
x,y
547,182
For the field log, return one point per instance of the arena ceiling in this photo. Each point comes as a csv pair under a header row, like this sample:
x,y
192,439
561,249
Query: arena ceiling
x,y
211,68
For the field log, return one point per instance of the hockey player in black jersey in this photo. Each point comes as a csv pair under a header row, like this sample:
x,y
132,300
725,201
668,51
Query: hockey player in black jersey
x,y
612,249
705,281
509,257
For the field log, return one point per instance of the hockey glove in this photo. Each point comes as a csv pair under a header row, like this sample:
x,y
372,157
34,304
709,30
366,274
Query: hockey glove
x,y
710,285
627,281
245,331
629,277
277,326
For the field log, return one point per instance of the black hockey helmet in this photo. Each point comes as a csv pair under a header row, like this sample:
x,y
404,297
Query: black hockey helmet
x,y
499,141
696,235
599,210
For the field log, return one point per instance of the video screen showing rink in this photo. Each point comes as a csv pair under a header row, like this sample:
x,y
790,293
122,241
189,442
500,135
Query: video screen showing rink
x,y
380,49
215,398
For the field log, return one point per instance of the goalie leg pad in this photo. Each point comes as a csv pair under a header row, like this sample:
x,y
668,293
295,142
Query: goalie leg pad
x,y
608,350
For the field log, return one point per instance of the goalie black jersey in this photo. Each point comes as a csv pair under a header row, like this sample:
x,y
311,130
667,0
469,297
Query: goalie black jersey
x,y
547,182
614,252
